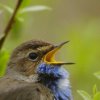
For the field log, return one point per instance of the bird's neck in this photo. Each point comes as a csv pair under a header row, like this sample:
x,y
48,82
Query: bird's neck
x,y
56,79
10,72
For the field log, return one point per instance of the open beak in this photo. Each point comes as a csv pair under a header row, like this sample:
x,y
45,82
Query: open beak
x,y
49,58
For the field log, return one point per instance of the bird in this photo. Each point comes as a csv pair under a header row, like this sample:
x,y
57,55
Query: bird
x,y
33,73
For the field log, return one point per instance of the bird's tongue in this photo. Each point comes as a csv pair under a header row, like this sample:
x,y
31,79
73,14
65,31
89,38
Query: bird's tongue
x,y
49,58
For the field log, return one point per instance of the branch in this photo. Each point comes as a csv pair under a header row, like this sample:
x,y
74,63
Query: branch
x,y
10,23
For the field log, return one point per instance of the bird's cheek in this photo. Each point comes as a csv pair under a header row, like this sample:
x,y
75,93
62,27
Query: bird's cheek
x,y
28,68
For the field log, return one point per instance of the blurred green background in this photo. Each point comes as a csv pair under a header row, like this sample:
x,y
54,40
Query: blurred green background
x,y
74,20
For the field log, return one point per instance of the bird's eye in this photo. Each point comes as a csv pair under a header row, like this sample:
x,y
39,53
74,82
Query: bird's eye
x,y
33,56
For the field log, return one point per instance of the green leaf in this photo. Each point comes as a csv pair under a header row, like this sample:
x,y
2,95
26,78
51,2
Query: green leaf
x,y
84,95
97,96
25,3
33,9
94,89
20,19
7,8
97,74
4,56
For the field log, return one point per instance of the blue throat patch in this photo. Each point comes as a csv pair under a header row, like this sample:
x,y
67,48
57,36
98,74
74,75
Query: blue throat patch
x,y
55,78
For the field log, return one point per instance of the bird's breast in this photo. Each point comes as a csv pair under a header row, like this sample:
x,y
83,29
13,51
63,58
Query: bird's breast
x,y
56,79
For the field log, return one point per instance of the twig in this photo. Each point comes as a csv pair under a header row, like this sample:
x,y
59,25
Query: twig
x,y
10,23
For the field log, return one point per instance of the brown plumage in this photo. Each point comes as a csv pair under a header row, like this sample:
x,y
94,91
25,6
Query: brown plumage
x,y
12,89
20,81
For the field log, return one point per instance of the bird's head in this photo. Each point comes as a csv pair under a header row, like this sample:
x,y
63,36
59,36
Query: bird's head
x,y
34,61
26,57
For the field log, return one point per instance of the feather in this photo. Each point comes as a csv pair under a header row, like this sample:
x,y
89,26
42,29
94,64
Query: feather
x,y
56,78
11,89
